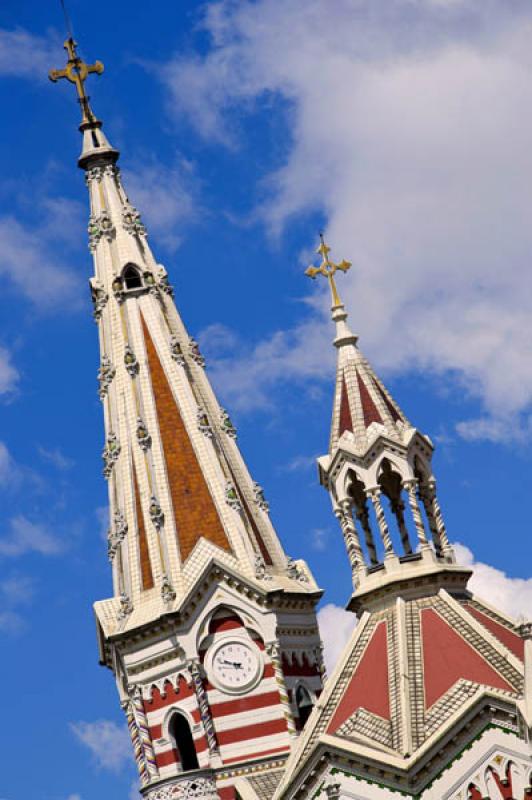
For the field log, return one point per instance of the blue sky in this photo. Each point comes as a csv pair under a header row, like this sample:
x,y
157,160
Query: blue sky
x,y
403,129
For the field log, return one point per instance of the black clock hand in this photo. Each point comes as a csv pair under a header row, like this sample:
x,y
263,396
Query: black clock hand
x,y
231,664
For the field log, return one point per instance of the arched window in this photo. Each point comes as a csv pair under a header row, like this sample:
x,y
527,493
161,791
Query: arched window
x,y
132,277
304,704
181,736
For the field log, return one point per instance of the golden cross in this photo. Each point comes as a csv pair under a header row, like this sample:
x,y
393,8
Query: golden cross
x,y
77,71
327,268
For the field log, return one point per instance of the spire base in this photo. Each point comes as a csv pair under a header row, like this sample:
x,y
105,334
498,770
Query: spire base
x,y
420,575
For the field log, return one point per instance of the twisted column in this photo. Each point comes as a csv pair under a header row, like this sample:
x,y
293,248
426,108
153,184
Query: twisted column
x,y
320,661
203,704
440,525
362,516
398,508
410,487
375,497
274,652
425,497
127,705
144,732
352,542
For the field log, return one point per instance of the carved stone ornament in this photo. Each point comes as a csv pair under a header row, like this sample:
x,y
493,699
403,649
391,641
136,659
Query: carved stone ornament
x,y
260,569
118,289
131,221
99,299
294,571
130,361
231,497
110,454
116,534
100,227
126,607
156,513
177,351
150,283
204,425
167,592
105,376
97,173
143,437
186,788
93,174
111,171
226,424
193,348
260,500
163,281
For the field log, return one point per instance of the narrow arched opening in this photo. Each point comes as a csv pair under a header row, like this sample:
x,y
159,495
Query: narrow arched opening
x,y
391,486
132,278
184,747
357,494
304,704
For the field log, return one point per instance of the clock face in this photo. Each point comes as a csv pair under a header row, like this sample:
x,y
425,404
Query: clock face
x,y
234,666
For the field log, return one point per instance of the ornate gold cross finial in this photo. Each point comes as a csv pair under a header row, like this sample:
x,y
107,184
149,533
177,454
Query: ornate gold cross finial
x,y
77,71
327,268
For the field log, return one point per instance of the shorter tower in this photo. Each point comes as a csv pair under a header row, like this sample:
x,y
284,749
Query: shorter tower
x,y
211,631
432,697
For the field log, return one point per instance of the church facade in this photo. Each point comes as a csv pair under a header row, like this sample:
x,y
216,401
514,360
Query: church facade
x,y
211,632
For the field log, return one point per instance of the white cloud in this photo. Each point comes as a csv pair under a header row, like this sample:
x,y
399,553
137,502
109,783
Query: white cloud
x,y
27,261
11,622
8,374
74,797
56,457
299,463
25,55
15,591
6,464
410,126
165,197
319,538
336,626
102,516
24,536
510,595
108,742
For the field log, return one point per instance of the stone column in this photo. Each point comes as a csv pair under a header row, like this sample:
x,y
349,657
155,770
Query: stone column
x,y
274,652
127,705
362,516
204,708
352,542
447,550
525,631
410,487
320,661
375,497
144,731
398,508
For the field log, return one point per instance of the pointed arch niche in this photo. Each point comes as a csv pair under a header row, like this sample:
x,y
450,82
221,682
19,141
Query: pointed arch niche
x,y
131,277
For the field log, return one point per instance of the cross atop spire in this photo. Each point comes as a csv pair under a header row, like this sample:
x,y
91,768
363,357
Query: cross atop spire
x,y
77,72
328,268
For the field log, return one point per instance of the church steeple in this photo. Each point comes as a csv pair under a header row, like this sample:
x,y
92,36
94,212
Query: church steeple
x,y
378,472
208,610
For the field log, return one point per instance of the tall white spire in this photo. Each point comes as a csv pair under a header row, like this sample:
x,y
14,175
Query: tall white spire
x,y
209,617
